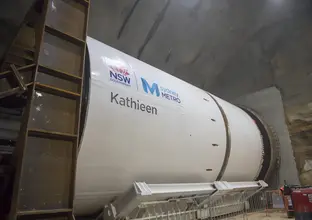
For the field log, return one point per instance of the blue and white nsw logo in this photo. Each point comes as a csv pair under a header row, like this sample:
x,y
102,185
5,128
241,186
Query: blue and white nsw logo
x,y
119,71
160,91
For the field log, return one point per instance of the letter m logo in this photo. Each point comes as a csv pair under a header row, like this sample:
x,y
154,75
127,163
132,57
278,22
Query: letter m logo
x,y
150,89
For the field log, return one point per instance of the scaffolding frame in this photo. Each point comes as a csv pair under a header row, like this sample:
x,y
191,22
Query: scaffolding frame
x,y
47,62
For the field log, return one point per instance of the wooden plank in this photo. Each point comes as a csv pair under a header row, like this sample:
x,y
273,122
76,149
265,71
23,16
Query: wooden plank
x,y
51,135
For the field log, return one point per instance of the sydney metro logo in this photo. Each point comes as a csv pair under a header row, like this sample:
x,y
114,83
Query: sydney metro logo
x,y
164,92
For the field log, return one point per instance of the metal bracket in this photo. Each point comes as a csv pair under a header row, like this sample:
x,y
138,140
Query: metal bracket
x,y
21,85
18,78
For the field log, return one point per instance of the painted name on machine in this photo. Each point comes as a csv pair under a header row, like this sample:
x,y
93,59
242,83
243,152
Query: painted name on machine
x,y
129,102
122,73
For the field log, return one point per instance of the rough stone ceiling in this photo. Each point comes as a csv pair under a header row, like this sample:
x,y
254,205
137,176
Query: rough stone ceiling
x,y
229,47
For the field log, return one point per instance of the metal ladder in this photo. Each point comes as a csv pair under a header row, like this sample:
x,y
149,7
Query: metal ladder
x,y
51,75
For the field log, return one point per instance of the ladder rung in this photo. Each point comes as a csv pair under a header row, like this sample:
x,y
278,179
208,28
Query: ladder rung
x,y
64,36
20,47
9,92
44,212
51,135
25,57
6,73
56,91
13,91
16,48
17,63
58,73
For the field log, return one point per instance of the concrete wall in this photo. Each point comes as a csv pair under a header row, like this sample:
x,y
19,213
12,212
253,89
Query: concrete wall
x,y
268,104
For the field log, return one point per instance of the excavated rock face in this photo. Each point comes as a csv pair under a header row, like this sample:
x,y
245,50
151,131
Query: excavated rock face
x,y
300,128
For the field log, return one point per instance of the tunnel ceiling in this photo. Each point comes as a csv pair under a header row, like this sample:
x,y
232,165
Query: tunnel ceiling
x,y
228,47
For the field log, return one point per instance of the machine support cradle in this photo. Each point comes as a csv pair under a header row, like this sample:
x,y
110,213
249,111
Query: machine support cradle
x,y
185,201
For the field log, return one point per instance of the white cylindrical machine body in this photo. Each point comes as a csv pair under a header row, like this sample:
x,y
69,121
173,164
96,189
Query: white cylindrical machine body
x,y
146,125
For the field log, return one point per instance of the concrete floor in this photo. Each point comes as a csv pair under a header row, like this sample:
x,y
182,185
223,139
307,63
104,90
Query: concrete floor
x,y
262,216
229,48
